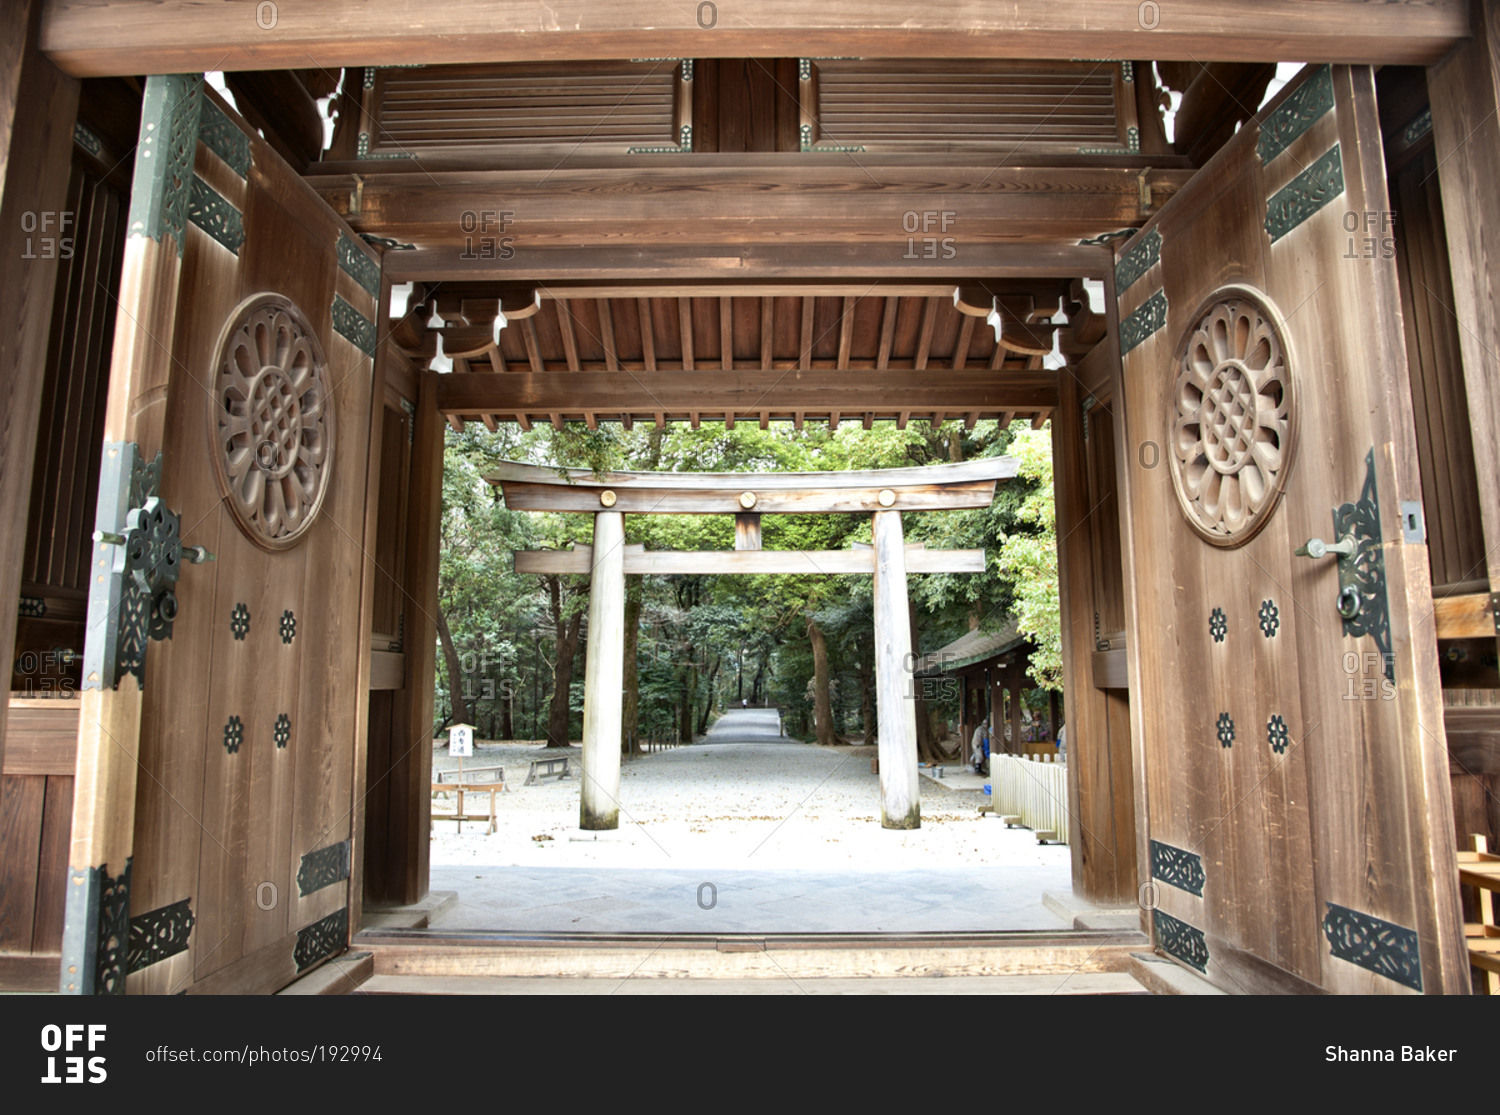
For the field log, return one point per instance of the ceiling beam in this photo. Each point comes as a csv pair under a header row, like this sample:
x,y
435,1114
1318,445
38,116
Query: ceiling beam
x,y
658,205
94,38
744,392
709,270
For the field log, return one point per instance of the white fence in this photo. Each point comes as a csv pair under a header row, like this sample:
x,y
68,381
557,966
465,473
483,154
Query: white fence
x,y
1036,792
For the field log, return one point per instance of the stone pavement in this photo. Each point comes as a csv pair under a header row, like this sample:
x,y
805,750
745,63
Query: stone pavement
x,y
747,831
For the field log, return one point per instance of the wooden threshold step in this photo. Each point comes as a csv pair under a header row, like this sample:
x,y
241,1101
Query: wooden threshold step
x,y
435,953
1082,983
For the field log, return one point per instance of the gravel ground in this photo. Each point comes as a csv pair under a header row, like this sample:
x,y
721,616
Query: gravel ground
x,y
740,797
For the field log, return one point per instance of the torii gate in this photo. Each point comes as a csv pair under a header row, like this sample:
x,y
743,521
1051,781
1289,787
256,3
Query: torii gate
x,y
884,492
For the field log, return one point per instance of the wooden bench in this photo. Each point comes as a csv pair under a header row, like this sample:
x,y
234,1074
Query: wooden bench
x,y
546,768
467,772
461,788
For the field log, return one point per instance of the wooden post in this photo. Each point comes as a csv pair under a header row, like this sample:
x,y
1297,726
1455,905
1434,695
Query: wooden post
x,y
1465,93
1013,675
604,680
895,711
37,107
746,530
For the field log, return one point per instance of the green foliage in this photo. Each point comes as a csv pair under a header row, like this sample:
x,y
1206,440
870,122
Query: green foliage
x,y
706,640
1027,558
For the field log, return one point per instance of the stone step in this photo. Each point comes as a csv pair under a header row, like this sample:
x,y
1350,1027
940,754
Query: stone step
x,y
438,953
1083,983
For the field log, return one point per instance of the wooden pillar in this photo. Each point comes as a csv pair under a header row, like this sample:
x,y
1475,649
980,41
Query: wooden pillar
x,y
895,709
411,815
604,679
1052,715
38,104
1464,90
1013,676
1101,790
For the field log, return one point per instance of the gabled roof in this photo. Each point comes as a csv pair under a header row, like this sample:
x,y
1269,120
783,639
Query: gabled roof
x,y
970,648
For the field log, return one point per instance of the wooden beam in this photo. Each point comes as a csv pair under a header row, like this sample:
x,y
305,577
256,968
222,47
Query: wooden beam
x,y
745,391
569,339
767,332
924,339
700,267
648,333
846,331
579,560
726,334
887,331
949,486
685,331
1465,617
607,336
92,38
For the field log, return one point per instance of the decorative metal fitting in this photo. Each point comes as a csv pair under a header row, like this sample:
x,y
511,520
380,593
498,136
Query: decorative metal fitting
x,y
747,500
607,498
138,557
886,497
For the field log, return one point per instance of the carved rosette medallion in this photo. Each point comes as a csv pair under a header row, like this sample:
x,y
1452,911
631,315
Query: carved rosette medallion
x,y
272,420
1234,421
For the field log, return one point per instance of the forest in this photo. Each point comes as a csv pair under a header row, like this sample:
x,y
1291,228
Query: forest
x,y
512,646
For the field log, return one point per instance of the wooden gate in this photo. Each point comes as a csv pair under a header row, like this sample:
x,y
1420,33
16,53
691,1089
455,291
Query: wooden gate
x,y
1290,752
217,793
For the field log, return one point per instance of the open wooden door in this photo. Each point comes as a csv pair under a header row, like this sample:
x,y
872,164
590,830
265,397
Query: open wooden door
x,y
1292,772
218,768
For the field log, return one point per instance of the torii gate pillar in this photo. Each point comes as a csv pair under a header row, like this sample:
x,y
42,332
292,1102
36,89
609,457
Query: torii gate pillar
x,y
896,711
603,701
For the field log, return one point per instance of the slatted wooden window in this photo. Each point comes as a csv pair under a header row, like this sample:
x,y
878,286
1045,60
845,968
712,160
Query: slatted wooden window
x,y
541,108
919,104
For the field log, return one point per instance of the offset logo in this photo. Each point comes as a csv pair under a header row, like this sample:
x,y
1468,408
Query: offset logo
x,y
67,1048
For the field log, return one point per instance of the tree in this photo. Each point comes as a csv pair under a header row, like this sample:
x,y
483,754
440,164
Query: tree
x,y
1028,560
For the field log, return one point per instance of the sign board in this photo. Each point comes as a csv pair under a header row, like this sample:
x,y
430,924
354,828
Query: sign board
x,y
461,741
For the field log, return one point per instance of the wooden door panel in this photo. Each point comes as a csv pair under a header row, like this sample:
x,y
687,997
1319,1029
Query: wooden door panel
x,y
250,711
1273,788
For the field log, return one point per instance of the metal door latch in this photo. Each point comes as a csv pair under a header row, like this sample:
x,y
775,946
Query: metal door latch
x,y
138,556
1361,602
1315,547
